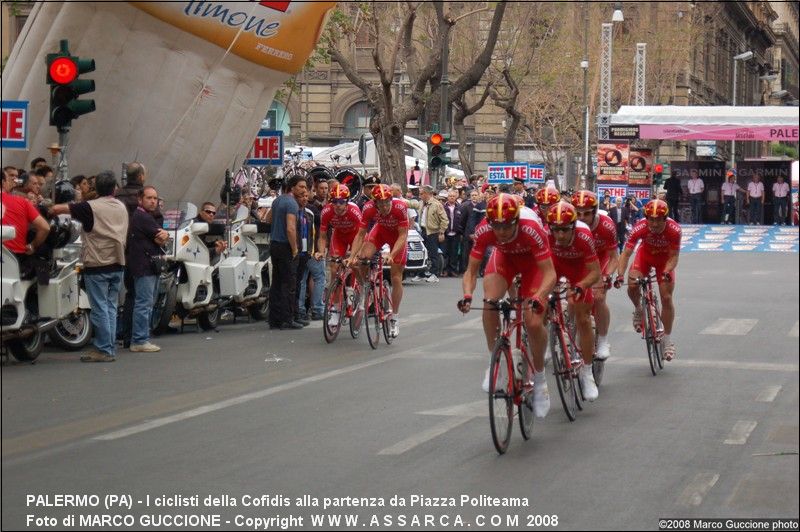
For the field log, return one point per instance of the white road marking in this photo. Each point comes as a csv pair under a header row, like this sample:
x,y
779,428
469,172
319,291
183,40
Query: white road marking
x,y
740,432
461,355
728,326
793,332
420,317
715,364
160,422
474,409
424,436
692,495
768,395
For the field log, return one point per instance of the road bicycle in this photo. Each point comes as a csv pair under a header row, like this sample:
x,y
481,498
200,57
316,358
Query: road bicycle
x,y
341,300
651,326
566,355
377,303
509,382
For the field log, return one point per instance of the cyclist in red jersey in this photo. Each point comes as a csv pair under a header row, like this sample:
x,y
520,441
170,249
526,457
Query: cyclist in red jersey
x,y
574,257
545,197
660,245
520,247
604,231
344,218
391,227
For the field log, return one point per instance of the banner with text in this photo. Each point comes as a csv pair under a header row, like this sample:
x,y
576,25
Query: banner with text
x,y
640,167
267,149
640,193
612,163
14,125
536,174
505,173
615,191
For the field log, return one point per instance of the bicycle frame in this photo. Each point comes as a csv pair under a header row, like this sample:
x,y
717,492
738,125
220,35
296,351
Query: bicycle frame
x,y
512,332
651,325
342,275
566,335
375,278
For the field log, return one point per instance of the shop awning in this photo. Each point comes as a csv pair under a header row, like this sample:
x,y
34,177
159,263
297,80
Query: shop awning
x,y
672,122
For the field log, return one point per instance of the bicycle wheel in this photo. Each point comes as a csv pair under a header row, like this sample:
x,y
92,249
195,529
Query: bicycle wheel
x,y
650,338
656,329
572,349
386,304
525,409
501,396
358,312
372,320
598,366
334,306
564,381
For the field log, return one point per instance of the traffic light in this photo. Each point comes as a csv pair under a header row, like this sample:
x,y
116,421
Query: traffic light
x,y
63,71
437,150
658,174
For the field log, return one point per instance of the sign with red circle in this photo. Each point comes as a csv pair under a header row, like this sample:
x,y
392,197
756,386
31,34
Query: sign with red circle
x,y
63,70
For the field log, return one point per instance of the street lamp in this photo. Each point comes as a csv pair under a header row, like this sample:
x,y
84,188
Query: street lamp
x,y
744,56
617,16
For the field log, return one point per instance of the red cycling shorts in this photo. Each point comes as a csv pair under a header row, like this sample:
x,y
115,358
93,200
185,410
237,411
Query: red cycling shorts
x,y
643,261
379,236
341,242
508,266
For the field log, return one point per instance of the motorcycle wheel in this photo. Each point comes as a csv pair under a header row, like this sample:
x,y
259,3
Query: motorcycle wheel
x,y
27,349
162,314
208,320
260,312
73,332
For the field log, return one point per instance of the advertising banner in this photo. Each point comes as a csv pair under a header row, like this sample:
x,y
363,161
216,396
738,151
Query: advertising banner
x,y
640,193
640,167
535,174
14,125
505,173
700,132
277,35
615,191
612,163
267,149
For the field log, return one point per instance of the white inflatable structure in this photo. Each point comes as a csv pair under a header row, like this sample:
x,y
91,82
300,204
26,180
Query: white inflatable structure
x,y
180,86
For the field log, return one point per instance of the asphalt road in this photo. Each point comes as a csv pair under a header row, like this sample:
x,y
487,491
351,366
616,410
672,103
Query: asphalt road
x,y
308,429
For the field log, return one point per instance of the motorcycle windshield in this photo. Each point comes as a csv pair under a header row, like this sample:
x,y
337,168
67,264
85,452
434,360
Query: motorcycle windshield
x,y
179,216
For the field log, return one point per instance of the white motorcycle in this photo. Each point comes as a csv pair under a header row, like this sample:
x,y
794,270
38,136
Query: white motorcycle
x,y
244,274
75,331
29,309
195,286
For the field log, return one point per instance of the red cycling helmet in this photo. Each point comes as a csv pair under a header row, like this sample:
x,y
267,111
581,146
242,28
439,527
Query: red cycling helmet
x,y
547,196
340,192
503,208
584,199
562,213
381,192
656,209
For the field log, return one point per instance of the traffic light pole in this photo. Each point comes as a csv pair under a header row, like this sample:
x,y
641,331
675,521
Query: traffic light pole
x,y
444,114
63,167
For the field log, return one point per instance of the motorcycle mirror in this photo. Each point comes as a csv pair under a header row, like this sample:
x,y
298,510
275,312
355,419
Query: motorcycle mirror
x,y
242,212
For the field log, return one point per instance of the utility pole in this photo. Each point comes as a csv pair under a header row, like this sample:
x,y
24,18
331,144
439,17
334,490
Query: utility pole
x,y
585,172
444,110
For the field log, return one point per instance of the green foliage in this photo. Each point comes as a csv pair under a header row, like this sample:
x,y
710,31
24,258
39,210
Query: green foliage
x,y
782,149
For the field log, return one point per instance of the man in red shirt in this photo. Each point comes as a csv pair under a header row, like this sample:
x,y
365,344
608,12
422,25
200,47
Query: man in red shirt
x,y
574,257
660,245
604,231
20,214
520,247
391,227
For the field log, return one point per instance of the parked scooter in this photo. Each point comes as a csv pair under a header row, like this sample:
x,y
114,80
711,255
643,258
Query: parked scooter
x,y
29,309
249,290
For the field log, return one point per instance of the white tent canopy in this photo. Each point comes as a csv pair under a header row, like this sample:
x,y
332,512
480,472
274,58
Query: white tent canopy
x,y
766,116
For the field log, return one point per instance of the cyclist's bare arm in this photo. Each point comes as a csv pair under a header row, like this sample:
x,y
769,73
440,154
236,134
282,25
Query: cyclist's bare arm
x,y
357,243
672,261
623,262
592,276
322,246
549,278
470,279
613,261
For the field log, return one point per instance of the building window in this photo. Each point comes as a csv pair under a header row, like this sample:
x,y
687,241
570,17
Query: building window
x,y
356,119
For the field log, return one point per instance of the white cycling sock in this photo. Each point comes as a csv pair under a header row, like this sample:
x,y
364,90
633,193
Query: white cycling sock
x,y
665,340
539,377
602,340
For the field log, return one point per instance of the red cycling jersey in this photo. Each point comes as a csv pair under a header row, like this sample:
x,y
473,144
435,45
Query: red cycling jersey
x,y
652,243
518,256
655,248
397,217
387,226
572,261
605,239
344,227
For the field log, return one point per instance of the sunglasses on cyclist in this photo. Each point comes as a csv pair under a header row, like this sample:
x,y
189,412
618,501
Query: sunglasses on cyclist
x,y
502,225
212,213
339,202
561,228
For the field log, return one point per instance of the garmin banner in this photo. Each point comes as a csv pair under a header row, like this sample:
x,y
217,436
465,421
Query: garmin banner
x,y
739,238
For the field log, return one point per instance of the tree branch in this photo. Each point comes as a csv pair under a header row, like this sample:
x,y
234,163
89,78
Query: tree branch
x,y
349,70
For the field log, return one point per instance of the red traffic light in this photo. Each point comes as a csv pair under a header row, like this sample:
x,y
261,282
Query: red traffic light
x,y
63,70
436,139
659,168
